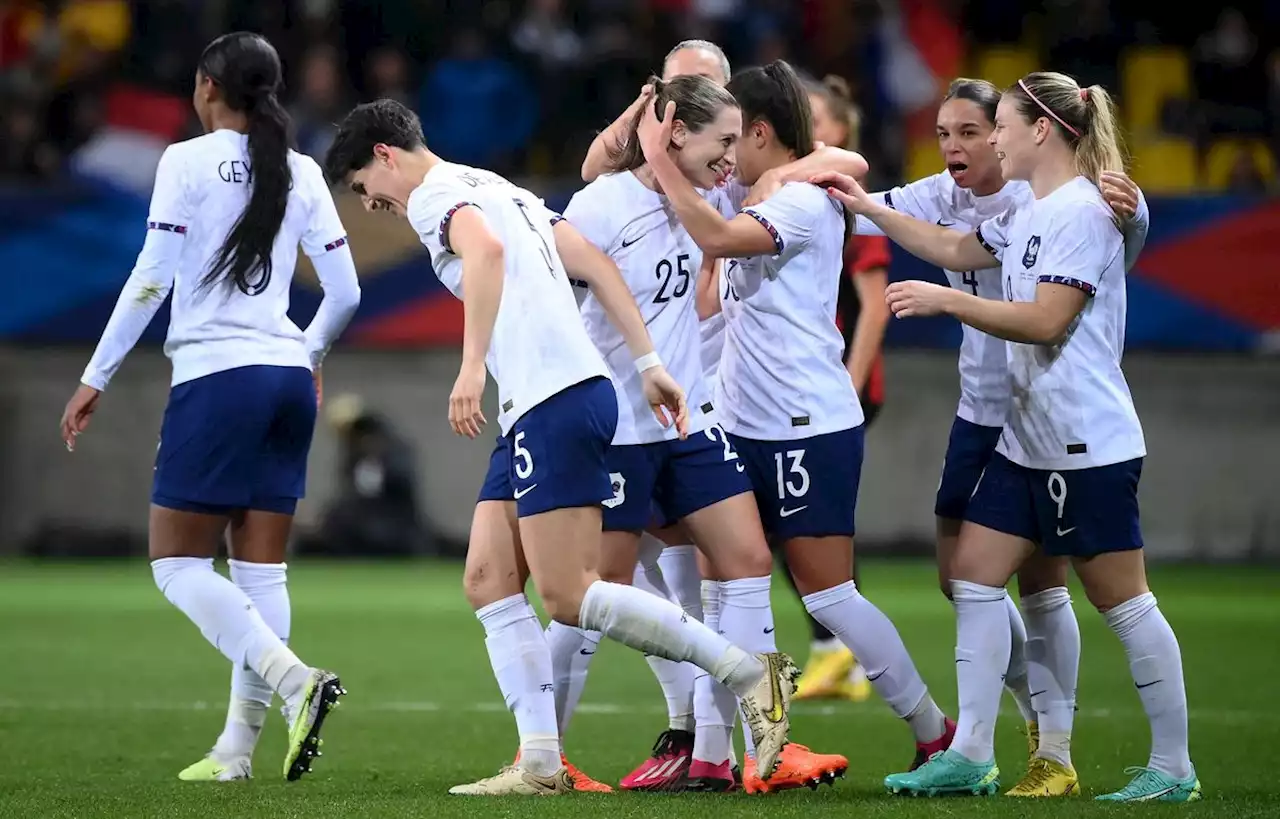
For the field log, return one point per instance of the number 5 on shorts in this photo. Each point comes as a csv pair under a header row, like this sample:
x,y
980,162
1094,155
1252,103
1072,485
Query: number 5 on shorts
x,y
786,486
522,458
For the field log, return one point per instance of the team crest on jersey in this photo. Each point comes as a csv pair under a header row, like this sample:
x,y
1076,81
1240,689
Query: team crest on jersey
x,y
1032,251
619,490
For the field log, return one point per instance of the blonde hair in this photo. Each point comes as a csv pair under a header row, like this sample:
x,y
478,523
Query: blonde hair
x,y
1085,117
835,91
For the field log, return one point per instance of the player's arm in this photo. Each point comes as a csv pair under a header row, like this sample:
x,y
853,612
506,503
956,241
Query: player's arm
x,y
598,154
1130,207
935,244
583,260
826,158
918,199
707,294
467,234
326,245
873,317
1043,321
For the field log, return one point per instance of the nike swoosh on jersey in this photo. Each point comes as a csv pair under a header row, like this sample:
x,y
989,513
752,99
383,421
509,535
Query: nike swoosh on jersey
x,y
626,243
784,512
520,493
1065,532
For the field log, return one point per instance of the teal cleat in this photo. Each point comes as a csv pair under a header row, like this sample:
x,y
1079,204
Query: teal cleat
x,y
947,773
1150,785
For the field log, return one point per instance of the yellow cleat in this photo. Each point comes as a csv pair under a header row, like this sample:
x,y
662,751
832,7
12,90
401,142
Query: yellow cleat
x,y
515,781
856,688
1033,740
216,770
1047,778
825,674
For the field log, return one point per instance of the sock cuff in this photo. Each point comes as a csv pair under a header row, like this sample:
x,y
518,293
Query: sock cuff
x,y
829,597
1046,601
1125,616
649,550
681,552
963,590
711,594
244,573
166,569
747,592
498,615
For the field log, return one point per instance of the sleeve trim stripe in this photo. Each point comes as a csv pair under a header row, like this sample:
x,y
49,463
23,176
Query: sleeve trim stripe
x,y
888,199
443,232
167,226
1069,282
982,240
334,245
777,237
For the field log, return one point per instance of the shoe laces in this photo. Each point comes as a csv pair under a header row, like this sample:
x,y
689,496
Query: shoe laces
x,y
667,744
1141,776
1039,773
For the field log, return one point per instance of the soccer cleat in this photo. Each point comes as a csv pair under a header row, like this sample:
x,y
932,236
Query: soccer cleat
x,y
947,773
318,698
210,769
766,709
672,754
825,674
798,767
515,781
1150,785
856,688
583,783
704,777
1045,777
1033,739
926,750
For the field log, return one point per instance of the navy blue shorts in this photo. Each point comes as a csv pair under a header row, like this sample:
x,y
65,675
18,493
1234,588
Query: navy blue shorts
x,y
805,488
670,480
553,457
236,439
1069,512
969,450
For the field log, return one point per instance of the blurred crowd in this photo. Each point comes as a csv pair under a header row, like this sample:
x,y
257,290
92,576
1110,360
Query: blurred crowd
x,y
522,85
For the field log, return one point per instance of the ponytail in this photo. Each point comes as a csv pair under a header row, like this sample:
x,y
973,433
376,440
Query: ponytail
x,y
1101,148
1084,117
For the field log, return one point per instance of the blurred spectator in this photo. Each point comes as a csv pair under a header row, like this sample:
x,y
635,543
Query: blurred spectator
x,y
1231,78
23,149
1246,175
545,35
476,108
1085,42
321,101
387,75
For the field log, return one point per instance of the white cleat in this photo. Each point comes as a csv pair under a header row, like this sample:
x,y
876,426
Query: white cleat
x,y
515,781
211,769
766,710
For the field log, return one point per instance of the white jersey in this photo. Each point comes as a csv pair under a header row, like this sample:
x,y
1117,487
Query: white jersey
x,y
782,374
201,190
638,229
539,347
1071,406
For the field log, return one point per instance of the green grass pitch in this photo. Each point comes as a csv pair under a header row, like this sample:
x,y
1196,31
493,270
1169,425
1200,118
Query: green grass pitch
x,y
106,692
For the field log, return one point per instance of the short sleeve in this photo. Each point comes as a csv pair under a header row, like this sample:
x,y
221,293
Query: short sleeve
x,y
993,234
170,204
920,200
590,218
789,215
1081,243
324,232
431,209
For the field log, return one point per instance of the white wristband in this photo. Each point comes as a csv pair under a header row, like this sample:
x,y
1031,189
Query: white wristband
x,y
648,361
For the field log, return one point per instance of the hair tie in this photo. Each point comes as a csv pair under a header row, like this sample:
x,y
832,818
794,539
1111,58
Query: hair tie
x,y
1047,110
1084,94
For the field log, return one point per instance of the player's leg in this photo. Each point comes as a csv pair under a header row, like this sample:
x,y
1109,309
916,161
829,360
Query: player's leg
x,y
228,440
969,450
829,662
998,535
560,522
1094,514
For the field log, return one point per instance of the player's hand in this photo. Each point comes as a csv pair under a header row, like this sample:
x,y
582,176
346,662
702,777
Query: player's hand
x,y
1120,192
655,134
75,418
319,381
666,398
464,402
767,185
845,189
915,298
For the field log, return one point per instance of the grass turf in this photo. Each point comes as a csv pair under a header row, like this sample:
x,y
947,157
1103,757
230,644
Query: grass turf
x,y
107,692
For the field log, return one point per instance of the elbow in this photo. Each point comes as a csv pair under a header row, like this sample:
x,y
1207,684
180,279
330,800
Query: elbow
x,y
719,243
1051,332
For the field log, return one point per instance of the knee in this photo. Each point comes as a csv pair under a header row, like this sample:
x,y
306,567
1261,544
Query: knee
x,y
617,574
750,563
482,585
166,570
562,599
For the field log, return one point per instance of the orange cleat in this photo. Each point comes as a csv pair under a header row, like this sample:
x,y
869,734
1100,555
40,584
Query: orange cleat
x,y
798,767
581,782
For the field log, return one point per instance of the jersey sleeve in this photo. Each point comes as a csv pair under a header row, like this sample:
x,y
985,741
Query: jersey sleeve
x,y
1081,243
789,215
170,209
993,234
324,232
734,193
590,218
919,200
431,209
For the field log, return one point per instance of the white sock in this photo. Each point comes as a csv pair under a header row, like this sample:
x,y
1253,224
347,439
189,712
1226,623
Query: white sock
x,y
521,663
648,574
746,614
1015,678
869,634
572,651
266,585
1156,664
982,655
229,620
714,706
680,568
676,679
654,626
1053,667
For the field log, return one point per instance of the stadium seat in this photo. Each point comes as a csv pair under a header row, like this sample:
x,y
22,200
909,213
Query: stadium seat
x,y
923,159
1166,165
1005,65
1222,158
1149,76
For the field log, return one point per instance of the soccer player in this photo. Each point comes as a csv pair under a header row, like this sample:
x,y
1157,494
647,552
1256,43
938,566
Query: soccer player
x,y
228,213
787,400
492,244
971,190
1064,478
